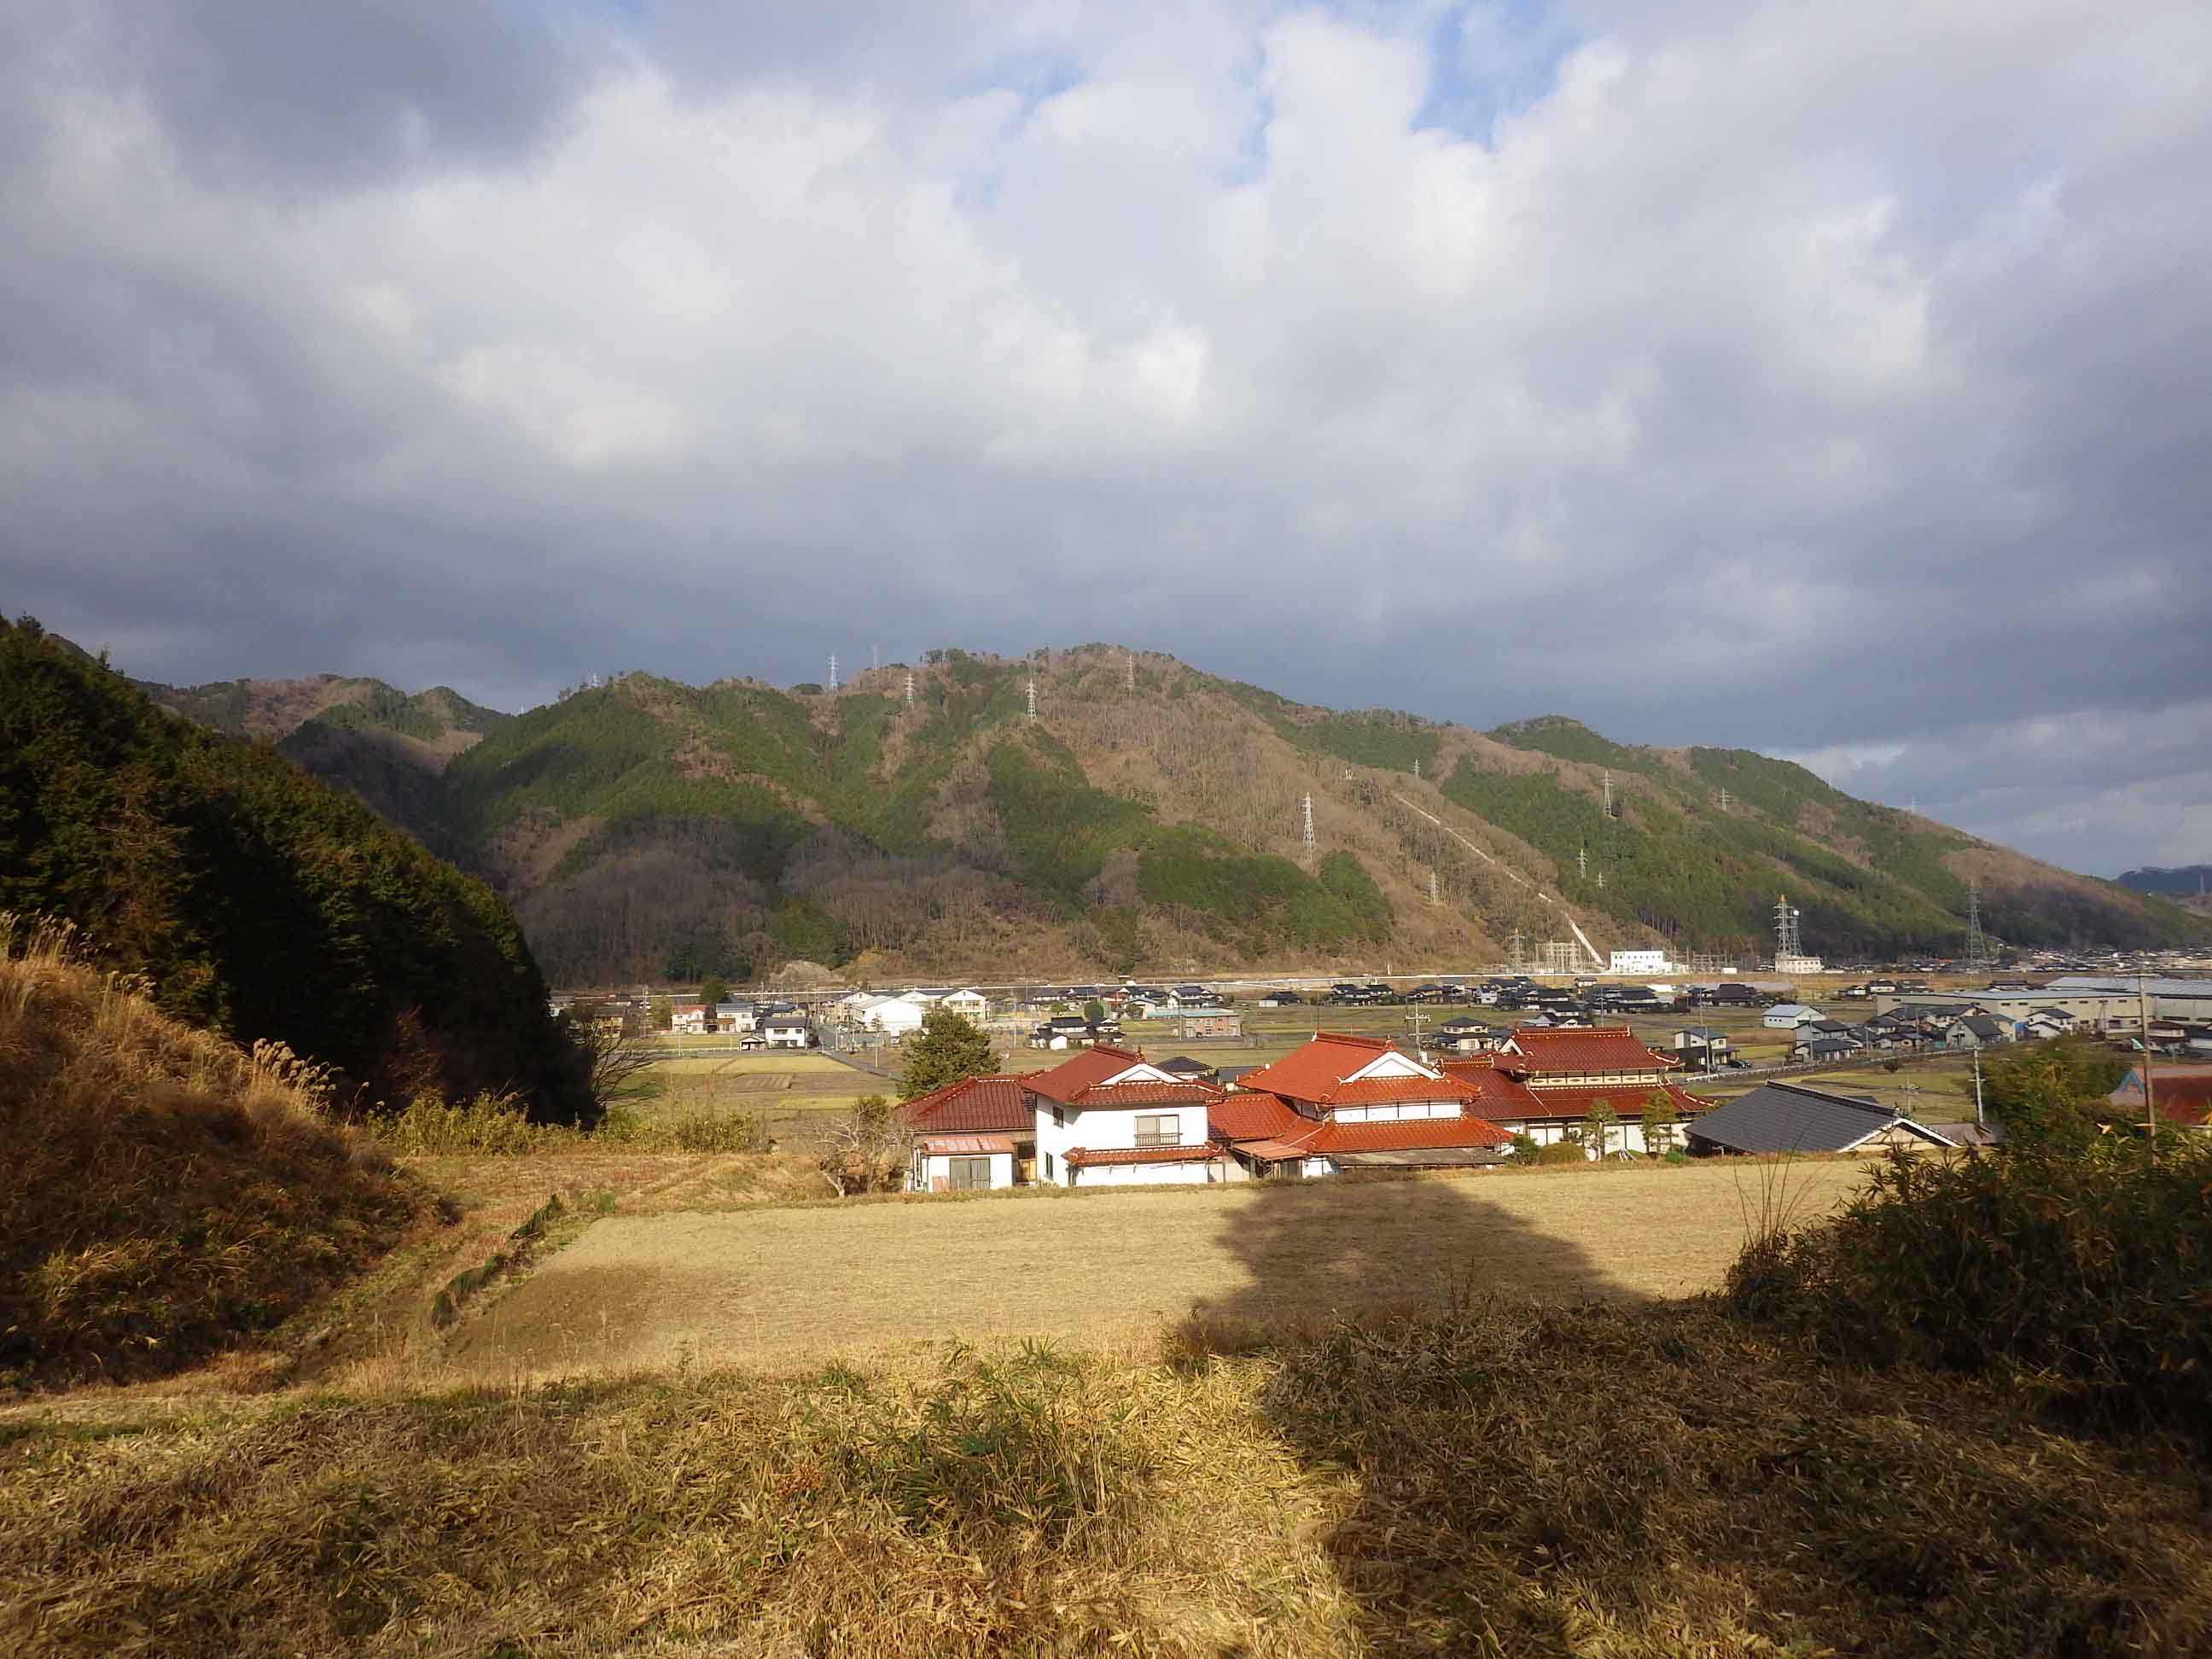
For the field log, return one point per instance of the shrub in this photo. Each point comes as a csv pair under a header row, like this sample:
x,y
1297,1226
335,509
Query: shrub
x,y
1562,1151
1525,1148
2091,1269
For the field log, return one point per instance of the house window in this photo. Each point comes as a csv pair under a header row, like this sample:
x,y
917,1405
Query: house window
x,y
1159,1131
1059,1118
970,1175
1047,1166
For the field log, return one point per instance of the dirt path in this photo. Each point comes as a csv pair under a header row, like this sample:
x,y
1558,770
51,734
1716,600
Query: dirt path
x,y
796,1286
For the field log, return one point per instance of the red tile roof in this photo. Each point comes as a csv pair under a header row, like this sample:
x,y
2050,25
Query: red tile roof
x,y
1143,1092
1406,1134
1495,1091
1263,1123
2181,1097
1254,1117
1534,1051
976,1104
1083,1157
1093,1066
1318,1072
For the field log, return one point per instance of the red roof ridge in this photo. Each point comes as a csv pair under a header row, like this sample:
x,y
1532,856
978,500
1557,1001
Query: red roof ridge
x,y
1376,1043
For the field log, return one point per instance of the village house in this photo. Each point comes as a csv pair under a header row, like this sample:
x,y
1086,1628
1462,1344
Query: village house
x,y
1108,1117
788,1031
1343,1103
969,1004
688,1015
735,1018
1542,1083
892,1017
977,1106
2182,1094
1789,1117
1210,1022
1703,1047
1104,1117
1788,1016
1976,1031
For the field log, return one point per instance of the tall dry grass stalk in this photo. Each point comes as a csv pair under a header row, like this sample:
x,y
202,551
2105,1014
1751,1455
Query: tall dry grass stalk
x,y
166,1193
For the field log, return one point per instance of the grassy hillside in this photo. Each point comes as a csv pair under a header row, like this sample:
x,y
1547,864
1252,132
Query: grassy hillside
x,y
257,902
1150,819
166,1192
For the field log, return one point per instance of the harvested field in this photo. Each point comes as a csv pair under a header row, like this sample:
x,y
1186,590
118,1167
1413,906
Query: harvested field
x,y
786,1286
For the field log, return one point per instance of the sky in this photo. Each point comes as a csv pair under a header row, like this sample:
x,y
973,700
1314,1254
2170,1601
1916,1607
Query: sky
x,y
1834,382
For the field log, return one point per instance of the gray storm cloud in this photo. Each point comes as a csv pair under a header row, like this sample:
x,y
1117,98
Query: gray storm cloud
x,y
1831,381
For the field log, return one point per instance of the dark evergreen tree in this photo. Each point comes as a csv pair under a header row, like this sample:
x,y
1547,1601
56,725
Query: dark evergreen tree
x,y
948,1048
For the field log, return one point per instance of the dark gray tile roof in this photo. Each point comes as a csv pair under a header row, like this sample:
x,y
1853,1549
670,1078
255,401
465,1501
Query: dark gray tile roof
x,y
1784,1117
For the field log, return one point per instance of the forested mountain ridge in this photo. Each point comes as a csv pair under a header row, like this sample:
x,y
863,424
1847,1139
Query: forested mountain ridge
x,y
385,745
1150,816
257,901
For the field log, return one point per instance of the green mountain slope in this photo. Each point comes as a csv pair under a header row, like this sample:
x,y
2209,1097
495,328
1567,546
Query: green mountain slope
x,y
257,902
1152,817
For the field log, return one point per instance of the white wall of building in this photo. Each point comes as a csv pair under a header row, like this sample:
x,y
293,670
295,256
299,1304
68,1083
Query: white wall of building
x,y
1639,961
1101,1129
929,1168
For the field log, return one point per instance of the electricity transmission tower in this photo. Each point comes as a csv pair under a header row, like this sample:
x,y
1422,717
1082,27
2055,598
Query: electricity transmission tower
x,y
1309,826
1786,942
1977,943
1032,697
1128,671
833,670
910,688
1608,791
1724,798
1433,898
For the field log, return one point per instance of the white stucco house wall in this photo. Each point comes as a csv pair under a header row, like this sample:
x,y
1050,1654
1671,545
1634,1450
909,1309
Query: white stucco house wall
x,y
1109,1118
961,1163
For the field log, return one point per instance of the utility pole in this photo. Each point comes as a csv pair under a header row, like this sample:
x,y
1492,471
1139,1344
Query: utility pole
x,y
1977,1086
2150,1106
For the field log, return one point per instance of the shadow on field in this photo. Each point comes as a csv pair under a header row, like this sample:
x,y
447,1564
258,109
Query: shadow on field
x,y
1586,1469
1421,1245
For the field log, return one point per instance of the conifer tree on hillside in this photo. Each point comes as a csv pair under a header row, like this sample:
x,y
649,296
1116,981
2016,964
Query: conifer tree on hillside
x,y
948,1048
260,903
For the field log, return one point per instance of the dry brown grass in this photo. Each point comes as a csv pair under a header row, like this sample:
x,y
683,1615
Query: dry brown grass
x,y
788,1285
165,1192
1608,1479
